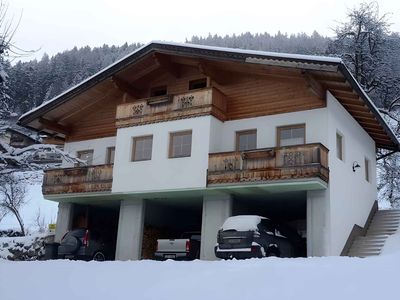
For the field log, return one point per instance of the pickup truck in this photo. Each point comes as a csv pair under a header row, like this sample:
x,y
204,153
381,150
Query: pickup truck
x,y
185,248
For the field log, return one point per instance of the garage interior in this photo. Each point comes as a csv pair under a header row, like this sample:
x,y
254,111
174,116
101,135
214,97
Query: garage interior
x,y
169,219
288,208
101,218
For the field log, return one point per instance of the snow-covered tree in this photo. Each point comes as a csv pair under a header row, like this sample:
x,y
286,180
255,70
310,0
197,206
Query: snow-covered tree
x,y
371,52
12,197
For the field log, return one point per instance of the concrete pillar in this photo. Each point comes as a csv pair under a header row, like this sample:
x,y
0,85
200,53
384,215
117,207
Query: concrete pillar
x,y
216,209
64,219
318,223
130,230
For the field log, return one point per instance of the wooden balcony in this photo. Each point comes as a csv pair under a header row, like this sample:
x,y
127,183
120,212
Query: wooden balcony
x,y
261,165
208,101
87,179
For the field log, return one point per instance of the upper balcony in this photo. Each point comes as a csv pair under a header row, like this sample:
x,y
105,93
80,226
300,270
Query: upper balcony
x,y
207,101
87,179
270,164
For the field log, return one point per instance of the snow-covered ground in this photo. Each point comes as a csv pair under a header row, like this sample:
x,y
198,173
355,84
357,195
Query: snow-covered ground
x,y
273,278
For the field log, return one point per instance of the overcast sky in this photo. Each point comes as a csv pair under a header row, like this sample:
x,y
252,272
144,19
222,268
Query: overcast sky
x,y
55,25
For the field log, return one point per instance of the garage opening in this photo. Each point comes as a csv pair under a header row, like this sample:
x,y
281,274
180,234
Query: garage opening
x,y
171,219
287,208
102,223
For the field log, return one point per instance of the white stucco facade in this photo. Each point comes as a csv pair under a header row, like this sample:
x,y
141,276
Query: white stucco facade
x,y
331,213
99,147
351,196
162,173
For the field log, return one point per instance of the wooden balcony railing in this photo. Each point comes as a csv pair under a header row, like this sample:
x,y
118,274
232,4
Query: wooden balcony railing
x,y
208,101
87,179
292,162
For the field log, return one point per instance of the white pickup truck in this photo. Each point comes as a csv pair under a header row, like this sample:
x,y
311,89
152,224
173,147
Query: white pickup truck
x,y
185,248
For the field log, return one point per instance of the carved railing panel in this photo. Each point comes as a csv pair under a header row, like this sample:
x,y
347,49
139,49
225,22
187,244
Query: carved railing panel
x,y
78,180
303,161
209,101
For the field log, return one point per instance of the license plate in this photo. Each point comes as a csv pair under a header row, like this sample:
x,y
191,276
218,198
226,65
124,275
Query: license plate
x,y
234,241
170,256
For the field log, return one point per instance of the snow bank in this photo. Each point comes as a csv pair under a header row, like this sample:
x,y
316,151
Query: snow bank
x,y
242,223
29,247
273,278
392,245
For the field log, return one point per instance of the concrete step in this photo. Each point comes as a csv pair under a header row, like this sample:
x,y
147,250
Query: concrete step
x,y
381,231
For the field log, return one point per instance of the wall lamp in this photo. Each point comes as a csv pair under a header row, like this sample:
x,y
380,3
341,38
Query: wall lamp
x,y
355,166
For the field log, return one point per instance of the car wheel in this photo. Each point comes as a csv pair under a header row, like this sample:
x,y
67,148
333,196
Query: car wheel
x,y
99,256
272,252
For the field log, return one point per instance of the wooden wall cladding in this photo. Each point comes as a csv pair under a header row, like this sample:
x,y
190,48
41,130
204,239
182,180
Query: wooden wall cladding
x,y
255,96
246,97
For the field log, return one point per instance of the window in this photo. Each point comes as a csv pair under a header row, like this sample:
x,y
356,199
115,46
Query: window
x,y
198,84
291,135
180,144
86,155
246,140
110,155
158,91
142,148
366,163
339,146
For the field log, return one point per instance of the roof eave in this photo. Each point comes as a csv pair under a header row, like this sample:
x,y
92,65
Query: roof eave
x,y
360,91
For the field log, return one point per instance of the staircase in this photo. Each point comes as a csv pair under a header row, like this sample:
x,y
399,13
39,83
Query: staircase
x,y
383,224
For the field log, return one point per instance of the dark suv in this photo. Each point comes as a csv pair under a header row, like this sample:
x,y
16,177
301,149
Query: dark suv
x,y
84,244
250,236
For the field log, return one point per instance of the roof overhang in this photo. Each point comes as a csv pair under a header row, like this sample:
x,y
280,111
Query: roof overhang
x,y
331,71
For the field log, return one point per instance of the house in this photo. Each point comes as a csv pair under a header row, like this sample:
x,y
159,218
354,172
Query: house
x,y
19,137
179,137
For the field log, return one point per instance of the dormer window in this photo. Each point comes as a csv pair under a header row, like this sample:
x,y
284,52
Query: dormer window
x,y
158,91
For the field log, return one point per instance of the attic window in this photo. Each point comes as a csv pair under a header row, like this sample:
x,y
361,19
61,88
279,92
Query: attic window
x,y
158,91
197,84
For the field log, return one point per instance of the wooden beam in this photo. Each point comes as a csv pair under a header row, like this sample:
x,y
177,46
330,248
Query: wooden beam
x,y
353,107
339,86
54,126
166,63
125,87
91,103
339,94
369,120
220,77
314,86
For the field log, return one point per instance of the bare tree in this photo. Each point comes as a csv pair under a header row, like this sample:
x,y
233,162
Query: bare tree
x,y
371,52
40,221
12,197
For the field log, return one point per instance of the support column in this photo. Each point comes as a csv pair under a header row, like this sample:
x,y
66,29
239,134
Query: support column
x,y
216,209
64,219
317,223
130,230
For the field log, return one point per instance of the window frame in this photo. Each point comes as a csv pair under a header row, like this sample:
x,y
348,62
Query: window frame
x,y
108,155
244,132
155,89
285,127
179,133
133,148
367,170
340,136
